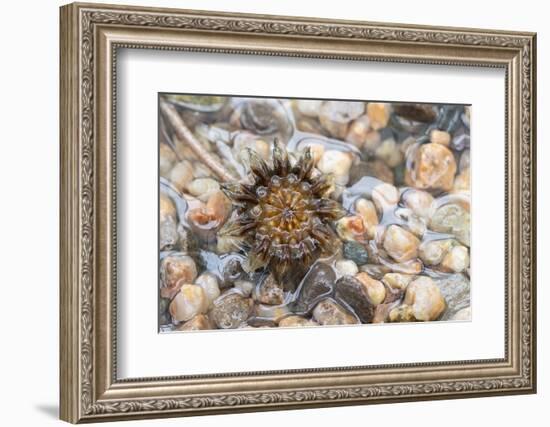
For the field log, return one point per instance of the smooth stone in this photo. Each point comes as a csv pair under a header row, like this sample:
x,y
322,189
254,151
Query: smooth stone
x,y
181,175
167,160
358,131
400,244
317,151
269,291
167,208
379,114
335,116
245,287
456,260
328,312
356,252
432,252
202,188
351,228
398,280
346,267
367,211
209,283
337,163
318,283
188,302
355,294
376,290
463,314
309,107
385,196
420,202
198,323
201,171
175,270
376,271
231,309
452,219
296,321
423,302
456,290
168,233
462,182
440,137
389,152
435,168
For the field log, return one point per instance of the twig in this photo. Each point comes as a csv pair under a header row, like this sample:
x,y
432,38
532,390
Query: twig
x,y
183,132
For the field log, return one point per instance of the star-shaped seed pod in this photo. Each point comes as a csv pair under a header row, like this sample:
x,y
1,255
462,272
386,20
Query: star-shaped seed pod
x,y
283,218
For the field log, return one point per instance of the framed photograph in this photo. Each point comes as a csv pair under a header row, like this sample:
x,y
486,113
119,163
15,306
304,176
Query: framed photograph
x,y
267,212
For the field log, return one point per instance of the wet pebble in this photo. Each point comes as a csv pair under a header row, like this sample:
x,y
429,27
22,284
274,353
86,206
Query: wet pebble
x,y
423,302
335,116
188,302
309,107
456,290
337,163
318,282
398,280
376,290
356,252
181,175
389,152
355,294
346,267
400,244
453,219
167,160
351,228
456,260
175,270
434,168
379,114
203,188
367,211
296,321
198,323
244,286
358,131
328,312
385,196
209,283
269,291
375,168
440,137
463,314
230,310
432,252
420,202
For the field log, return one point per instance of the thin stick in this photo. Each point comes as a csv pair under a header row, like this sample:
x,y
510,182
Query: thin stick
x,y
183,132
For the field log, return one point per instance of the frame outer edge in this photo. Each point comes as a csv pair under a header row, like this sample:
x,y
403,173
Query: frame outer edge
x,y
69,224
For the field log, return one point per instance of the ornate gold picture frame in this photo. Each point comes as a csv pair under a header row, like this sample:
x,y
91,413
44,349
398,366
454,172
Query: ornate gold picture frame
x,y
91,36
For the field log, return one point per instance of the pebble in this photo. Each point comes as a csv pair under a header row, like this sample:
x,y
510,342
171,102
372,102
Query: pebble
x,y
167,208
317,151
440,137
201,171
356,252
375,270
309,107
455,288
209,283
434,168
379,114
432,252
181,175
231,309
456,260
272,313
167,159
398,280
176,270
198,323
453,219
463,314
389,152
375,288
351,228
318,283
367,211
420,202
269,291
244,286
355,294
203,188
385,196
296,321
358,131
400,244
188,302
346,267
328,312
423,301
462,182
168,234
337,163
335,116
